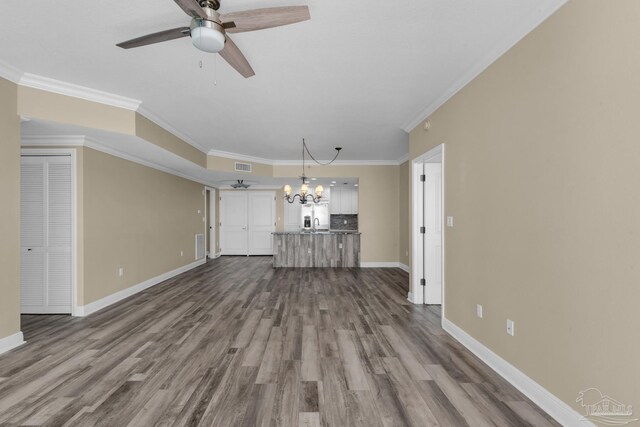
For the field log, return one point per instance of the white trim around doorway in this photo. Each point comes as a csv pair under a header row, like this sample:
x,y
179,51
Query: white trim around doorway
x,y
415,294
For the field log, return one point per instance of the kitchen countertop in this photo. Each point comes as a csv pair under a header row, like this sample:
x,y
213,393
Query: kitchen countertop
x,y
310,233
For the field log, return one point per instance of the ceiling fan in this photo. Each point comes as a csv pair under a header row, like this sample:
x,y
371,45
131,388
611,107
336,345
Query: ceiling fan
x,y
240,184
208,29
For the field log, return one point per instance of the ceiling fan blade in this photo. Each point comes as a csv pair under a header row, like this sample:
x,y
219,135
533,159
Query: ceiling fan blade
x,y
259,19
191,8
236,59
162,36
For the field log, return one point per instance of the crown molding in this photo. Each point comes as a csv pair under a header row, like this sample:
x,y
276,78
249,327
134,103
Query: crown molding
x,y
101,97
270,162
481,65
147,113
53,140
77,91
240,157
85,141
10,72
251,187
339,163
403,159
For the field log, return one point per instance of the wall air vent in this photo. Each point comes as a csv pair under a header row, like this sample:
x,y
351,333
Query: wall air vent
x,y
243,167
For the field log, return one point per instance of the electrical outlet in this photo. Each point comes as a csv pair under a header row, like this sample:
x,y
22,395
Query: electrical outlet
x,y
406,253
479,310
309,250
511,327
345,222
120,271
339,245
449,221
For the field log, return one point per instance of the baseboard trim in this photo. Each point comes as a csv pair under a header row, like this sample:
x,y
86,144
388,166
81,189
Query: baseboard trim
x,y
85,310
404,267
10,342
553,406
383,265
218,255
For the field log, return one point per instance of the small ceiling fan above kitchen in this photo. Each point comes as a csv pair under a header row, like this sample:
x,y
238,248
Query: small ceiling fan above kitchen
x,y
240,184
208,29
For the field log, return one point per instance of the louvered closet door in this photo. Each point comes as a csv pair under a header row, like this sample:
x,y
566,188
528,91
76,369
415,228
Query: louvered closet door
x,y
46,234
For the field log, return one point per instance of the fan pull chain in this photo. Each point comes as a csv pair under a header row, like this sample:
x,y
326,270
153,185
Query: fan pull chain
x,y
215,70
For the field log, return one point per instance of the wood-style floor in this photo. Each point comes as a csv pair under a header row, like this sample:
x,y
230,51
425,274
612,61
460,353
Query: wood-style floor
x,y
236,343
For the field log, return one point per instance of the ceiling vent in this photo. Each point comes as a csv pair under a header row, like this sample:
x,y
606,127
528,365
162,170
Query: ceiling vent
x,y
243,167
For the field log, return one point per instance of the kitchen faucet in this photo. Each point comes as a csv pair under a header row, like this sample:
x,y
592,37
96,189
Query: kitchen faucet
x,y
314,223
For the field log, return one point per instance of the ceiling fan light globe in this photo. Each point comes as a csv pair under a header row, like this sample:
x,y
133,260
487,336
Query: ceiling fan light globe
x,y
207,39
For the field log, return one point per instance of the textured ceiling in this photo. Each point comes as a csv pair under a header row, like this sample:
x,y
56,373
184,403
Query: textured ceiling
x,y
353,76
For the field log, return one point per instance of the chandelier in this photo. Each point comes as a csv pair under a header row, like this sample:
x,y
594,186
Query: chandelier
x,y
303,195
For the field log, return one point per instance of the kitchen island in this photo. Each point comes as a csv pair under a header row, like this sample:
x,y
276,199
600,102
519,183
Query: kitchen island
x,y
336,249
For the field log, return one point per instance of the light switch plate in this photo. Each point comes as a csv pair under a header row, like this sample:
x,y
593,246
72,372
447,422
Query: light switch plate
x,y
511,327
479,310
449,221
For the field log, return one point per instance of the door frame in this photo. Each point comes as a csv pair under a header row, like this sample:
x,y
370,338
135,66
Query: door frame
x,y
71,152
210,212
416,295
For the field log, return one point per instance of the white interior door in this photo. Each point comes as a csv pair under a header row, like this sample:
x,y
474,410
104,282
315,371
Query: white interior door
x,y
262,222
292,215
233,223
433,233
212,224
46,216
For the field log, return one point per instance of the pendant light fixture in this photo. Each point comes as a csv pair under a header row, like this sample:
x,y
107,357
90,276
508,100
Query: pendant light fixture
x,y
303,195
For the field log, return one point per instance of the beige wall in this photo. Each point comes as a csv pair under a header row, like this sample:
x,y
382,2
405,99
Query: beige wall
x,y
10,211
542,172
149,131
40,104
378,200
403,214
137,218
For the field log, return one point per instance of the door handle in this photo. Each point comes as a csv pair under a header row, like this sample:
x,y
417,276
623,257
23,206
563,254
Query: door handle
x,y
29,250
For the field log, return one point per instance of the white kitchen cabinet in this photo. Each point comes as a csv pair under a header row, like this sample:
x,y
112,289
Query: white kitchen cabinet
x,y
334,203
292,216
354,201
326,194
344,201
